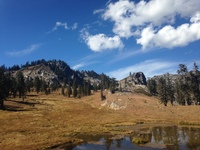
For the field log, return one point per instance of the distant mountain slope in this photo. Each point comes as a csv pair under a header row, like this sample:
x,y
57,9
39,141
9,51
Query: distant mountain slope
x,y
56,71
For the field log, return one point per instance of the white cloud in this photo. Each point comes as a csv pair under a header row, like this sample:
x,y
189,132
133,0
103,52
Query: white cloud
x,y
152,22
63,25
75,26
169,36
78,66
60,24
126,14
83,64
25,51
101,42
149,68
122,55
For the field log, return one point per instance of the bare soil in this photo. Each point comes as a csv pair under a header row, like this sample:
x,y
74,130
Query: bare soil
x,y
42,122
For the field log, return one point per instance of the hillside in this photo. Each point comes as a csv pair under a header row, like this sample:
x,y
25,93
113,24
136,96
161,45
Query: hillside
x,y
55,71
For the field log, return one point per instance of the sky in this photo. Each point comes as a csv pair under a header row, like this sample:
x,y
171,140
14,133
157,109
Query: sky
x,y
114,37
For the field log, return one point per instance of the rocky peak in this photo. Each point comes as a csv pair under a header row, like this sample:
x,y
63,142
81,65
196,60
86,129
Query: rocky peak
x,y
133,80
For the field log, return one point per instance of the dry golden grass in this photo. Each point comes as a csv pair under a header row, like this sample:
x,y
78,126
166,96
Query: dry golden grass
x,y
44,121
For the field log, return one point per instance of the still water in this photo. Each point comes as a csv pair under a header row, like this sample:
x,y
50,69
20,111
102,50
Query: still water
x,y
169,138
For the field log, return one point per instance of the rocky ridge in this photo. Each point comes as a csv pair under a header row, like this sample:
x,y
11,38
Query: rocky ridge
x,y
134,81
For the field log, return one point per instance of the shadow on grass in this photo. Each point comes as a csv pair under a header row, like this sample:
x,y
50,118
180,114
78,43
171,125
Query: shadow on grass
x,y
13,107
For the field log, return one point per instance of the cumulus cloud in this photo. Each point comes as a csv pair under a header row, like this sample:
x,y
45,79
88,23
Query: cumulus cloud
x,y
127,14
153,22
24,51
148,67
170,37
101,42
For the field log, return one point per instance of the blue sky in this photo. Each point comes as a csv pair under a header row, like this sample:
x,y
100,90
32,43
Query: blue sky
x,y
115,37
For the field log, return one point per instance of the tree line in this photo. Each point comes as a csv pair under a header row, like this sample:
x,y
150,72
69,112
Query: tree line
x,y
184,89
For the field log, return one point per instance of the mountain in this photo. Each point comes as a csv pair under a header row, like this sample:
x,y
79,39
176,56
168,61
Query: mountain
x,y
56,71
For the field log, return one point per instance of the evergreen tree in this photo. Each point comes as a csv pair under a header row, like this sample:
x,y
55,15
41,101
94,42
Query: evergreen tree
x,y
79,91
69,90
195,84
170,88
84,88
29,85
162,90
95,87
152,86
184,84
63,91
37,84
88,88
13,87
75,92
44,87
179,95
4,88
21,84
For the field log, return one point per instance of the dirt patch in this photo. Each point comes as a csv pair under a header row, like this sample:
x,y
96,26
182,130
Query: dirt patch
x,y
44,121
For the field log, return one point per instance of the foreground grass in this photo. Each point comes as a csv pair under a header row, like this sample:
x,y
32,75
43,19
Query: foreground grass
x,y
45,121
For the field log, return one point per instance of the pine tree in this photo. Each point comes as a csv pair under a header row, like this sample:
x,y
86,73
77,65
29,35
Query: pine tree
x,y
74,88
184,84
4,88
170,88
69,90
37,84
195,84
63,91
162,90
179,95
152,86
88,88
13,87
79,91
95,87
21,84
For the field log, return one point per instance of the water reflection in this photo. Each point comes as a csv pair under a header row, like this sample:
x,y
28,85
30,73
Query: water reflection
x,y
168,137
177,138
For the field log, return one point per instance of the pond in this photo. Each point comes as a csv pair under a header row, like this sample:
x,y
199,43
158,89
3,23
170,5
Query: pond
x,y
168,137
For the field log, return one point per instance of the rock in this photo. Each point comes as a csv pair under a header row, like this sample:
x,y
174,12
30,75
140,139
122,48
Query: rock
x,y
133,81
